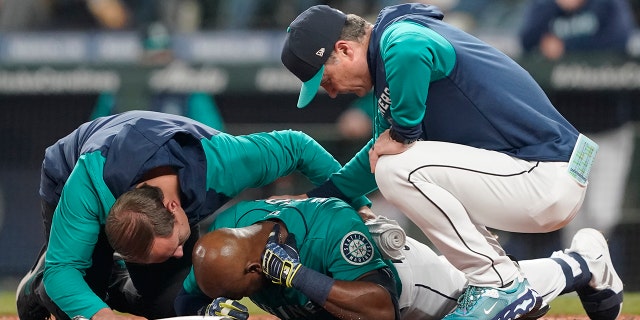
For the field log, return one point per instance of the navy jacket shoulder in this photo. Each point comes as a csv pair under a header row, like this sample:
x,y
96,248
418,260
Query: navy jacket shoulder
x,y
487,101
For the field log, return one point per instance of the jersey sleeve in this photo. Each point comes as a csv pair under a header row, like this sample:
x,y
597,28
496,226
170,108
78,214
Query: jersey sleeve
x,y
74,233
414,56
353,180
235,163
348,248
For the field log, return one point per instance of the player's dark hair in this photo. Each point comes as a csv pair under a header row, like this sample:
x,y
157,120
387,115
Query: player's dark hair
x,y
136,218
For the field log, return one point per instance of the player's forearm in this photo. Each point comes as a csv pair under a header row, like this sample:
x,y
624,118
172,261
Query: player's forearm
x,y
344,299
67,289
359,300
355,179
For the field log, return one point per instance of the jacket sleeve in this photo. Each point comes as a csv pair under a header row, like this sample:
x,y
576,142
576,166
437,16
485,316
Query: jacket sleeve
x,y
235,163
74,233
190,301
353,180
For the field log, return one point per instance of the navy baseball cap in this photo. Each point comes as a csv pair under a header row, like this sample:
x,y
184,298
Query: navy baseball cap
x,y
308,45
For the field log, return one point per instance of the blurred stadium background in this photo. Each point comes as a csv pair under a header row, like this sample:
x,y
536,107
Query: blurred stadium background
x,y
63,62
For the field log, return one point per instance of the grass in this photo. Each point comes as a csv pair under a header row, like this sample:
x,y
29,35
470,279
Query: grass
x,y
569,304
563,305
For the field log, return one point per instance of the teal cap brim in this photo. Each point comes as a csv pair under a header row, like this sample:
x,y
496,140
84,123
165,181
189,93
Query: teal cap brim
x,y
310,89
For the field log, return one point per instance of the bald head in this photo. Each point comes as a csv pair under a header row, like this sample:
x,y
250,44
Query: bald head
x,y
226,262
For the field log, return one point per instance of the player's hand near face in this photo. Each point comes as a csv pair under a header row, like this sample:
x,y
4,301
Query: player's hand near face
x,y
227,308
280,262
385,145
343,299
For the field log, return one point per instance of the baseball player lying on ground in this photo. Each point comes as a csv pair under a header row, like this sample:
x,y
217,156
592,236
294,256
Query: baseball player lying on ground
x,y
182,172
316,259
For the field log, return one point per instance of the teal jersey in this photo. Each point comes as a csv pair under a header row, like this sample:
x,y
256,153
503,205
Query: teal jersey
x,y
331,239
86,171
409,71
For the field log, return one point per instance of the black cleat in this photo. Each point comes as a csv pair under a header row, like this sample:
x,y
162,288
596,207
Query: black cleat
x,y
27,301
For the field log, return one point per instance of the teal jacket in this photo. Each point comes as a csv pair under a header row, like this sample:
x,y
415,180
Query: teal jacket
x,y
84,172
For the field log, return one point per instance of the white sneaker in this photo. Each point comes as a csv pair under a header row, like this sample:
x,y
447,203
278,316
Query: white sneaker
x,y
602,298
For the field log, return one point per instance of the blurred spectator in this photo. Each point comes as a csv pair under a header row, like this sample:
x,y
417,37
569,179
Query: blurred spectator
x,y
110,14
198,106
89,15
250,14
23,14
554,28
262,14
354,123
460,13
29,15
86,14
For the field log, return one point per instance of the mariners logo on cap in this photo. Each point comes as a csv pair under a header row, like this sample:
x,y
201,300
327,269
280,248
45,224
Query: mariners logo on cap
x,y
356,248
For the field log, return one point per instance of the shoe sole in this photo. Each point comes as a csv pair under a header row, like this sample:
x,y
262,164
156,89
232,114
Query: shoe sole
x,y
512,312
536,314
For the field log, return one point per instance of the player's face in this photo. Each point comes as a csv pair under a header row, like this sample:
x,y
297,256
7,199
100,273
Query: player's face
x,y
172,246
237,281
346,73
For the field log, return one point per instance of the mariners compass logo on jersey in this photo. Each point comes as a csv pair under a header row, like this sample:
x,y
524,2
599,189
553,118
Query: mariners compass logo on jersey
x,y
356,248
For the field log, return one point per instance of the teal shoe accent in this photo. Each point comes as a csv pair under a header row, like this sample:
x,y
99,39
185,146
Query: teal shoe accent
x,y
516,301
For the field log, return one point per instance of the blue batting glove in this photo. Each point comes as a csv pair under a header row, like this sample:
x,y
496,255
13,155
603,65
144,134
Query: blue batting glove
x,y
280,262
227,308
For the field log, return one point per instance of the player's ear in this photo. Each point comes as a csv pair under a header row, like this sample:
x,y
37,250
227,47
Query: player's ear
x,y
342,48
254,267
172,206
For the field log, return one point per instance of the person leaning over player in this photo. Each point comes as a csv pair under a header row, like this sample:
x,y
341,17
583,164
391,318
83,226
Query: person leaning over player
x,y
180,171
464,138
316,259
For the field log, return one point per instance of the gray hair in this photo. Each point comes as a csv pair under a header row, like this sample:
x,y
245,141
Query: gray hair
x,y
355,29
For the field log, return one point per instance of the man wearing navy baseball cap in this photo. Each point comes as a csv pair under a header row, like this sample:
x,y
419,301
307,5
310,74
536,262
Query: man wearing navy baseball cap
x,y
464,140
309,43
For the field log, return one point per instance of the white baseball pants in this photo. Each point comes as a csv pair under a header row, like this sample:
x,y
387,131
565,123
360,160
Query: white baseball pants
x,y
453,192
431,285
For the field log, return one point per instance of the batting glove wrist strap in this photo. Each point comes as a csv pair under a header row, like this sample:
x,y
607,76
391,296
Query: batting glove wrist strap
x,y
315,285
227,308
